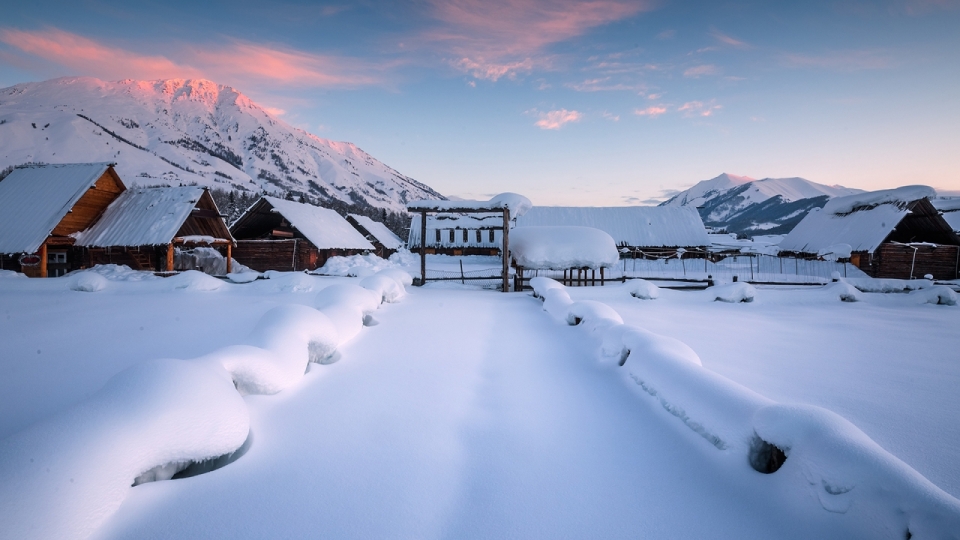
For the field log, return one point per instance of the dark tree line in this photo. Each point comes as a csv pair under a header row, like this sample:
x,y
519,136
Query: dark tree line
x,y
233,203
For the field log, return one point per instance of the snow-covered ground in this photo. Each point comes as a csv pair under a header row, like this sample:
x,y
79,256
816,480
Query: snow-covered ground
x,y
471,413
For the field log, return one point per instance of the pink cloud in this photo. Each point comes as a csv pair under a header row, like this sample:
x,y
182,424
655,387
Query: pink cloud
x,y
494,39
556,119
652,112
698,108
235,62
728,40
696,72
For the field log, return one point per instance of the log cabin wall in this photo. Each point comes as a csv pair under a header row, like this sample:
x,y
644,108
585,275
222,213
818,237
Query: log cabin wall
x,y
894,261
91,205
147,258
288,255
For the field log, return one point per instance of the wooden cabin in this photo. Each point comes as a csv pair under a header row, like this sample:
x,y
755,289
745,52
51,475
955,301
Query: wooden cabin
x,y
894,233
458,234
651,232
382,238
43,207
144,228
276,234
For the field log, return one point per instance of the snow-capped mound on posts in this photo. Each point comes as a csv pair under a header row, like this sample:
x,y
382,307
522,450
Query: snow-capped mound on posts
x,y
82,464
804,449
560,248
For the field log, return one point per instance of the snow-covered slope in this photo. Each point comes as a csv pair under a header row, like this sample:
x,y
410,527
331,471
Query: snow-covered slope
x,y
742,204
183,131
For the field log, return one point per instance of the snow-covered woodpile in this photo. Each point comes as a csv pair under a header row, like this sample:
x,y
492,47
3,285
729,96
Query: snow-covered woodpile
x,y
42,207
382,238
649,230
276,234
895,233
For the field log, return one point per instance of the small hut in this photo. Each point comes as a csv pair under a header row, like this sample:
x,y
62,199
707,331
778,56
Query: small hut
x,y
458,234
276,234
144,228
42,207
377,233
644,231
894,233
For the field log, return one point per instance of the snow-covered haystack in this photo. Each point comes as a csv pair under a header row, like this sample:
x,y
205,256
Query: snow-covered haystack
x,y
937,294
560,248
63,477
734,292
643,289
804,448
87,281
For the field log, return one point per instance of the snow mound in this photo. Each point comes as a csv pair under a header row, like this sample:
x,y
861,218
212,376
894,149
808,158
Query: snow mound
x,y
120,272
347,306
643,289
354,266
243,276
156,414
559,248
869,284
734,292
938,294
193,280
390,289
8,274
295,282
843,291
398,275
592,315
87,281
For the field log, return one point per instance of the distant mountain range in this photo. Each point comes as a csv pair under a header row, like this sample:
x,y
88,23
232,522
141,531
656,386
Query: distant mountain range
x,y
743,205
189,131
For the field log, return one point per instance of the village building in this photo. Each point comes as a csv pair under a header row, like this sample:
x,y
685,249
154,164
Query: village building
x,y
894,233
950,210
383,239
458,234
43,207
639,231
147,228
276,234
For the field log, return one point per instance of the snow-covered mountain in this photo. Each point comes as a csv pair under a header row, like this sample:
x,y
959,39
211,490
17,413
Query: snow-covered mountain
x,y
744,205
183,131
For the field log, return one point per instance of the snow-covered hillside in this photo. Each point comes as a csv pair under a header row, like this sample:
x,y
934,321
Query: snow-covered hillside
x,y
183,131
743,204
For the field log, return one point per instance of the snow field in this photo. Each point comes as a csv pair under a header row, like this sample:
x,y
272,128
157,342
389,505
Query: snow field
x,y
64,476
826,455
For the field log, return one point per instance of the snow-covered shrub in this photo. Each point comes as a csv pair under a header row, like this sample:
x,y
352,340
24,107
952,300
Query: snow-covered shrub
x,y
938,294
643,289
155,414
87,281
734,292
193,280
843,291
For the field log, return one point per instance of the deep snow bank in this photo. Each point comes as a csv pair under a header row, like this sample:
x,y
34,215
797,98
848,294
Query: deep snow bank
x,y
63,477
820,452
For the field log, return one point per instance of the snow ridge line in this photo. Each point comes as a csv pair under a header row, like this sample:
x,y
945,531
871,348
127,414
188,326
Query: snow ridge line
x,y
63,477
845,471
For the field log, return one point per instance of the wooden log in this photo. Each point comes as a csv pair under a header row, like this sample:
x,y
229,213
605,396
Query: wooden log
x,y
506,249
229,256
423,248
169,267
43,259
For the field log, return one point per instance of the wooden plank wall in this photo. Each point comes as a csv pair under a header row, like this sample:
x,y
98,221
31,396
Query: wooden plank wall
x,y
90,206
286,255
149,258
894,260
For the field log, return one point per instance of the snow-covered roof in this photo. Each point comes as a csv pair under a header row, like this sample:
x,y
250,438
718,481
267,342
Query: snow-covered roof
x,y
640,226
324,228
517,204
379,231
142,217
33,200
863,221
559,248
950,210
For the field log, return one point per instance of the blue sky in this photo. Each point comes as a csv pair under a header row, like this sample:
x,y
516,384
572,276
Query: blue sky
x,y
606,102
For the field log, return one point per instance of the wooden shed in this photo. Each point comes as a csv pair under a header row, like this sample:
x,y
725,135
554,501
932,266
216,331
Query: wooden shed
x,y
894,233
43,207
144,227
276,234
377,233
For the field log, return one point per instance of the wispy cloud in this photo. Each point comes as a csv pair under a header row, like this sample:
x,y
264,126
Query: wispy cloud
x,y
235,62
603,84
728,40
556,119
652,112
667,34
841,60
610,116
492,40
702,70
698,108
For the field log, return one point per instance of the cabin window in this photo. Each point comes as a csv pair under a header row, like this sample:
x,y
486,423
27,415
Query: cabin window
x,y
465,239
492,240
451,236
57,257
438,235
479,240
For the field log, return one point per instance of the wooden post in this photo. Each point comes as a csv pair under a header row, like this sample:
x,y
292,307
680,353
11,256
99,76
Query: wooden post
x,y
601,276
229,255
43,259
423,248
505,252
169,267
